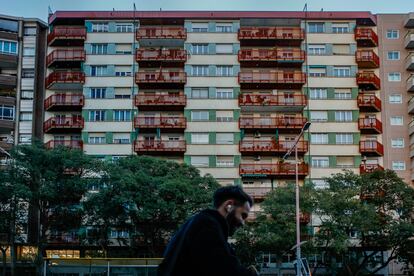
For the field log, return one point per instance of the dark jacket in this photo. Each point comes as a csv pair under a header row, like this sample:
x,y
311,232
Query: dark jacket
x,y
200,248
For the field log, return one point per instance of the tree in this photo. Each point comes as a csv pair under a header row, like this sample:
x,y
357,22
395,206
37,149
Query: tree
x,y
150,198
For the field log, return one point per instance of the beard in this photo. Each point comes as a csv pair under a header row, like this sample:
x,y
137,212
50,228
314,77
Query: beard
x,y
233,222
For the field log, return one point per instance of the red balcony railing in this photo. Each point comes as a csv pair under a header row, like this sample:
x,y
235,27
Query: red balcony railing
x,y
291,123
168,122
170,101
64,34
270,147
164,55
366,37
64,77
272,78
65,56
162,77
64,101
368,81
160,146
369,103
276,170
161,32
73,144
305,218
258,193
369,168
271,33
370,125
279,55
250,99
371,148
60,124
367,59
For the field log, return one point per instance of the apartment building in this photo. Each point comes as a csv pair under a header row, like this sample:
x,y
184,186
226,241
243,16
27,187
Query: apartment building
x,y
22,73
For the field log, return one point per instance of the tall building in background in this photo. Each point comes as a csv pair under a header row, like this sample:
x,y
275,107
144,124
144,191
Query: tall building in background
x,y
22,73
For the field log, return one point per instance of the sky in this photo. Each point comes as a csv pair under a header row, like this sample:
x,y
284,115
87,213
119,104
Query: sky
x,y
39,8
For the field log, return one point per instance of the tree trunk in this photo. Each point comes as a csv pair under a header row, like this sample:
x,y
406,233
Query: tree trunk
x,y
3,251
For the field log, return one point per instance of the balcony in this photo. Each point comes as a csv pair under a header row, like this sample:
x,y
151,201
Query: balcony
x,y
281,170
170,101
289,36
366,37
270,147
7,124
367,59
257,193
6,145
270,124
271,57
367,80
262,79
161,32
7,81
409,64
66,58
63,239
64,102
409,40
8,61
67,36
370,126
270,102
178,123
411,105
162,147
157,57
370,168
63,124
64,80
371,148
72,144
410,83
161,79
369,103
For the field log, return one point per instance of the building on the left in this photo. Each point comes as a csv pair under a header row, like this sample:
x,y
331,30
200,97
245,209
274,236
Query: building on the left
x,y
22,74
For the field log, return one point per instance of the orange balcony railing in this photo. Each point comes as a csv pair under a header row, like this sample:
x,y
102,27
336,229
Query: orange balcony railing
x,y
159,146
272,79
170,101
366,37
270,147
161,32
65,56
164,55
63,124
170,78
369,103
73,144
371,148
165,122
370,126
367,59
369,168
281,170
64,101
271,33
292,100
258,193
367,80
271,123
66,35
272,55
59,79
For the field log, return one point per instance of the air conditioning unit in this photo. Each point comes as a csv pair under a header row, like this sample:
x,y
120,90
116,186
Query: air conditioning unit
x,y
257,158
257,134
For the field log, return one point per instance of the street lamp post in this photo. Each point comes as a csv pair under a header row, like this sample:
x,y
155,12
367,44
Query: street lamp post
x,y
294,147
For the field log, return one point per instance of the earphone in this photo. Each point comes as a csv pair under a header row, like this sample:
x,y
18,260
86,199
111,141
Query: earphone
x,y
229,208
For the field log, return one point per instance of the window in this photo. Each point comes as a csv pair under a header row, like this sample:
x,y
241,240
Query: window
x,y
394,76
345,162
6,112
199,70
340,28
199,27
199,93
199,138
319,138
225,161
316,49
8,47
28,73
199,161
99,27
123,71
342,72
122,92
97,93
224,48
27,94
320,162
97,139
343,94
397,143
393,55
123,48
224,115
396,120
99,49
224,93
97,115
121,138
319,116
343,116
316,27
29,51
26,116
341,49
30,31
25,138
224,27
393,34
320,184
122,115
398,165
317,72
199,115
395,98
344,138
224,70
124,27
200,49
224,138
98,70
318,93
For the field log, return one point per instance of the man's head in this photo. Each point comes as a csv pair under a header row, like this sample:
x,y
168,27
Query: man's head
x,y
234,205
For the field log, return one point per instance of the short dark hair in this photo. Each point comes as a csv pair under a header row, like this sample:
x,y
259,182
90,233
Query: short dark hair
x,y
231,192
